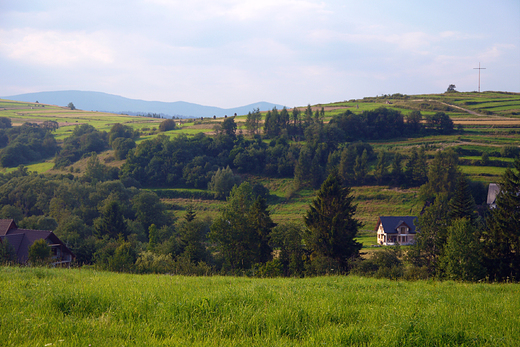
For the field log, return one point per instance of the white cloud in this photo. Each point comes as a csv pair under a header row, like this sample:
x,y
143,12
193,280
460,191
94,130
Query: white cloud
x,y
55,48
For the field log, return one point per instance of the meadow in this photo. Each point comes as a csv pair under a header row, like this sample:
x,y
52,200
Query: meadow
x,y
83,307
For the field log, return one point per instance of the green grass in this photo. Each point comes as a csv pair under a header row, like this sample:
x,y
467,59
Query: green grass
x,y
483,170
61,307
367,238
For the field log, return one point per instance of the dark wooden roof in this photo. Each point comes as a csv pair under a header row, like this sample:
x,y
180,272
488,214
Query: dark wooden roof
x,y
6,225
23,239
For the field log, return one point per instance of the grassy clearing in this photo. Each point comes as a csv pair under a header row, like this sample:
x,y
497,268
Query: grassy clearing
x,y
61,307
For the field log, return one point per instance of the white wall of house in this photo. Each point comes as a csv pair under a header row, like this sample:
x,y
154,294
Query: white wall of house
x,y
403,237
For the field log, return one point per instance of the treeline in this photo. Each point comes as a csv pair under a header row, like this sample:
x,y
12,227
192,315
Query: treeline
x,y
193,161
381,123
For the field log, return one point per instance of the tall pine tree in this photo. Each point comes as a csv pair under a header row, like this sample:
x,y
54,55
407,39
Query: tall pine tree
x,y
331,223
502,239
462,204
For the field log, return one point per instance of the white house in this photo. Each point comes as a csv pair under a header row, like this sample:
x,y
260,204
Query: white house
x,y
393,230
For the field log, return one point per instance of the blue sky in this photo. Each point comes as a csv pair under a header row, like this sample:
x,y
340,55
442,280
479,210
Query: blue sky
x,y
230,53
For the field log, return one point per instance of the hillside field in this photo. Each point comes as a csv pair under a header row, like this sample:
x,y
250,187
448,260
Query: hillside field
x,y
83,307
487,122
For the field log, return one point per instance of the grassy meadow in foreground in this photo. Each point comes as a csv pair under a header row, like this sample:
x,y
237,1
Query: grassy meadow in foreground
x,y
64,307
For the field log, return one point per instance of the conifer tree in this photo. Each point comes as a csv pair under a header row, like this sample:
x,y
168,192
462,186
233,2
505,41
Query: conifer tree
x,y
331,223
346,165
502,239
381,168
361,168
462,204
241,230
432,233
462,258
111,222
190,214
397,170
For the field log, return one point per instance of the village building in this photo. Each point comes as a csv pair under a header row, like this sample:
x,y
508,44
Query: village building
x,y
493,191
22,239
396,230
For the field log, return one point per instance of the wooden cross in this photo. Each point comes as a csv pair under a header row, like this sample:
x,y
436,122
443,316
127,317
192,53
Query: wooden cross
x,y
479,68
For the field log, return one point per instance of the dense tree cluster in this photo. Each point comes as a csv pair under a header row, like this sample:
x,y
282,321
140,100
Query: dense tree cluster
x,y
24,144
85,139
87,216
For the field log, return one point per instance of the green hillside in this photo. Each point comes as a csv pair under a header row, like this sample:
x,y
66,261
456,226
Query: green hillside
x,y
486,123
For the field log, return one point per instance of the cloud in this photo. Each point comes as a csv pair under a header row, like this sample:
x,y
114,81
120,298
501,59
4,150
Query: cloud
x,y
55,48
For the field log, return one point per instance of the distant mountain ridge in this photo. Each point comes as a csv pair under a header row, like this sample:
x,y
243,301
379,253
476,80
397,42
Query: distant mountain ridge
x,y
98,101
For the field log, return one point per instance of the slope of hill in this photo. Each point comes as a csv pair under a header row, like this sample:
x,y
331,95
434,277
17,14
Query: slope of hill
x,y
97,101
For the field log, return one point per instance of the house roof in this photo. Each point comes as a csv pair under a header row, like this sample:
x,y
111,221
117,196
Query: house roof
x,y
391,223
6,225
22,239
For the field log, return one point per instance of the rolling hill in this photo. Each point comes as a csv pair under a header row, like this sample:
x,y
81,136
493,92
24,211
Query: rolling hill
x,y
97,101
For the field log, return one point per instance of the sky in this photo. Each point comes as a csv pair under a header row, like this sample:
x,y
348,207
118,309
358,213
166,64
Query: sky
x,y
230,53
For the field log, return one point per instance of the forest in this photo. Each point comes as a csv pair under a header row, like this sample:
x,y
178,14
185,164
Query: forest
x,y
112,219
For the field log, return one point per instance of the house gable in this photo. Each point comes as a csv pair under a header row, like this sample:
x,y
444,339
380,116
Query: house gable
x,y
6,225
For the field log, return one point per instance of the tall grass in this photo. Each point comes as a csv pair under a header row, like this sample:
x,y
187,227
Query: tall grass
x,y
40,307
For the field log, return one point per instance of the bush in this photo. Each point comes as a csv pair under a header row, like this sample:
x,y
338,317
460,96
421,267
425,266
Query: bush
x,y
39,252
7,253
510,151
168,124
383,264
148,262
272,268
222,182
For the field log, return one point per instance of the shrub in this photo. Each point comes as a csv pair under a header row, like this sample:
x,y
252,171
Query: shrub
x,y
168,124
39,252
510,151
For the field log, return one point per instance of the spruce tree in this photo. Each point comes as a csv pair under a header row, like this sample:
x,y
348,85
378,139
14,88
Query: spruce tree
x,y
502,239
462,258
331,223
397,169
346,165
430,240
462,204
381,168
361,168
241,230
111,222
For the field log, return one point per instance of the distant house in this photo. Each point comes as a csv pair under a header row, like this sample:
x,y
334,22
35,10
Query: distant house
x,y
22,239
392,230
493,191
